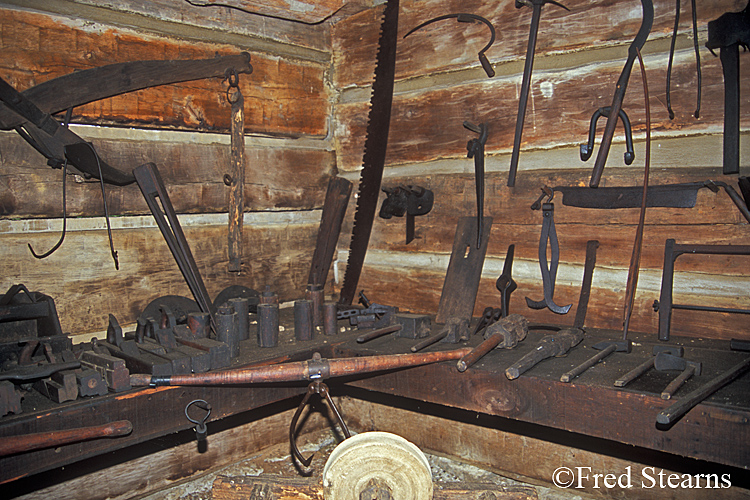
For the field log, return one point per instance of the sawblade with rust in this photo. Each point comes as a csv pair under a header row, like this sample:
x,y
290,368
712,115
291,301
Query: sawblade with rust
x,y
373,159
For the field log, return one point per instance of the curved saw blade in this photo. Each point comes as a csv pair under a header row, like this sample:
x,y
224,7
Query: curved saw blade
x,y
376,143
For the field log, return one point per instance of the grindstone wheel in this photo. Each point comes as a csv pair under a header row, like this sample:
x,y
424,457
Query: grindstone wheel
x,y
377,460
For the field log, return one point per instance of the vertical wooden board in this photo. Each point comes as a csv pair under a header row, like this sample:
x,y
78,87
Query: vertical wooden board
x,y
283,96
464,270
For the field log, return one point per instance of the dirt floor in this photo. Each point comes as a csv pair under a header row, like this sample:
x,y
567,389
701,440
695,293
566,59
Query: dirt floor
x,y
277,460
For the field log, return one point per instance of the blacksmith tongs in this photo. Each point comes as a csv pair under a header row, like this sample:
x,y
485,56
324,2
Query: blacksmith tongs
x,y
549,270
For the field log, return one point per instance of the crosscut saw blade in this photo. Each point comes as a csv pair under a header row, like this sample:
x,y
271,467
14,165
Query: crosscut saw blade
x,y
376,142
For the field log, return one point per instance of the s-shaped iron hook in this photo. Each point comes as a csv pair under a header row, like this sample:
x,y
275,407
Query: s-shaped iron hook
x,y
467,18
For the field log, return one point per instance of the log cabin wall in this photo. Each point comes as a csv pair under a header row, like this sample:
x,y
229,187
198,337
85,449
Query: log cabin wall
x,y
183,129
579,57
306,110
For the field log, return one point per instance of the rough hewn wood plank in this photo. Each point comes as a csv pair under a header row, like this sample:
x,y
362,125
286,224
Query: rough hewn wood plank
x,y
561,104
493,444
709,432
82,279
447,46
278,177
283,96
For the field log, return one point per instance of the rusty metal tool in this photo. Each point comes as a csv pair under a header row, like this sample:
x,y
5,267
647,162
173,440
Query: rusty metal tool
x,y
605,348
536,14
505,283
37,441
557,344
467,18
310,370
376,144
112,369
665,304
728,33
548,270
668,362
377,333
236,179
201,430
588,277
50,138
475,148
334,209
697,113
406,200
587,149
489,316
682,195
635,258
738,201
455,330
669,416
506,333
84,86
461,283
619,94
151,185
648,364
27,373
10,399
315,387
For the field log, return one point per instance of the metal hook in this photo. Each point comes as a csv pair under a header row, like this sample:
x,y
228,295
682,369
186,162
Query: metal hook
x,y
200,430
588,148
467,18
315,387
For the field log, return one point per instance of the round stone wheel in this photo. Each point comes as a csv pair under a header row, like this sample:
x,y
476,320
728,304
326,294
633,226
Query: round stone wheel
x,y
377,458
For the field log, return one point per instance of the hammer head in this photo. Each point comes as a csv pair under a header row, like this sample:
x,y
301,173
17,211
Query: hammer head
x,y
666,362
458,330
674,350
513,328
619,345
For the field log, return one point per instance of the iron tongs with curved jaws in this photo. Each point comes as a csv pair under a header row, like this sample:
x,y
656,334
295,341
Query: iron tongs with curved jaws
x,y
588,148
549,270
467,18
536,6
315,387
475,149
620,88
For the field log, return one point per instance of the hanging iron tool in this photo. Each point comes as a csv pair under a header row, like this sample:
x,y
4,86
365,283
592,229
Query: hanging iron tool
x,y
29,112
201,430
620,88
467,18
315,387
408,200
635,258
728,33
475,148
505,283
236,179
549,271
697,113
587,149
376,144
536,14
